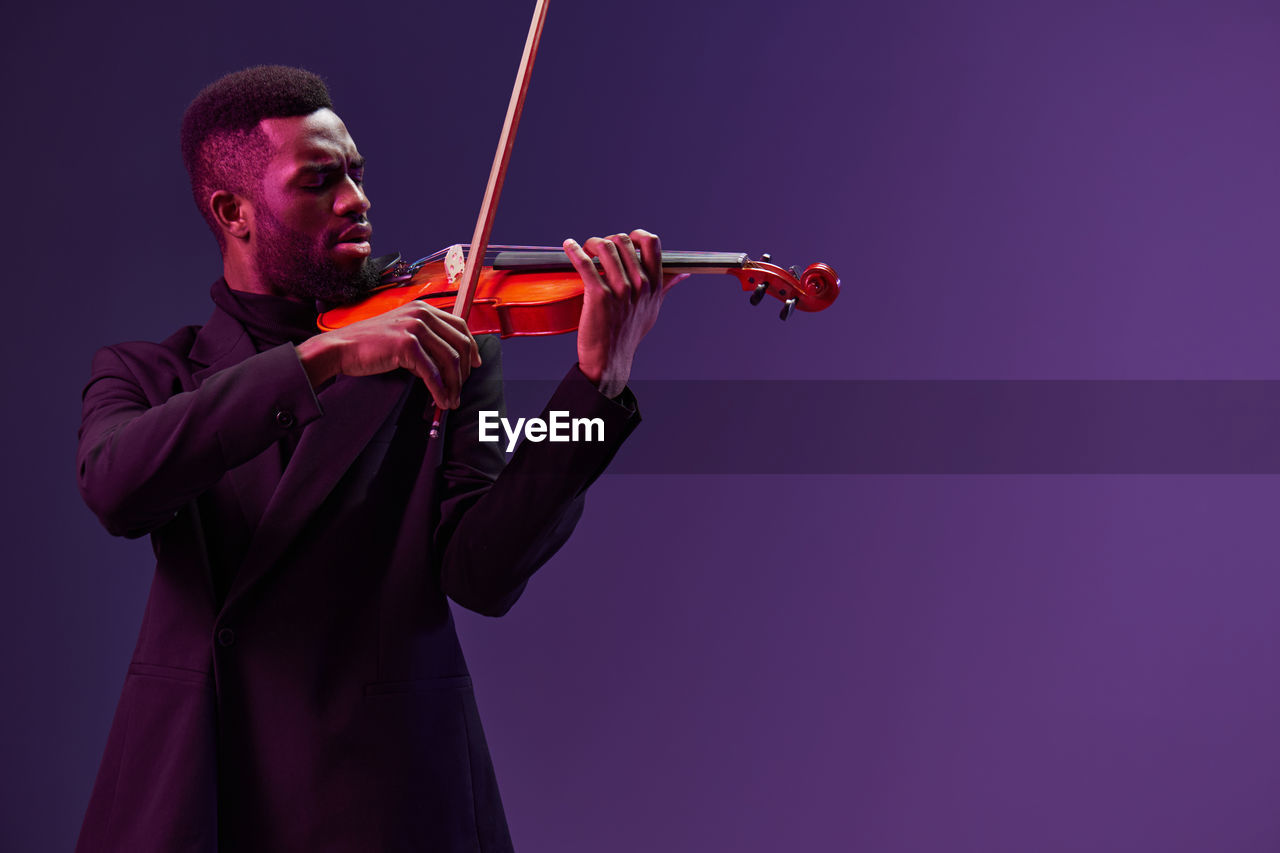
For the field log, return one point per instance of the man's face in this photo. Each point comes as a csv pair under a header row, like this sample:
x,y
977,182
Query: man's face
x,y
310,234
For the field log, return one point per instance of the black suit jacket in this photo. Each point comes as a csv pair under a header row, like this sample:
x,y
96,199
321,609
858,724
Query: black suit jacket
x,y
297,682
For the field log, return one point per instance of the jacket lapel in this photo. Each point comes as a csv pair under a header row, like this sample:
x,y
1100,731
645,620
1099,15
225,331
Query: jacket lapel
x,y
355,408
220,344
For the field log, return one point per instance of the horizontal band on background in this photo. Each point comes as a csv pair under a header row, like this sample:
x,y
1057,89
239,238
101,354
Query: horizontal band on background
x,y
945,427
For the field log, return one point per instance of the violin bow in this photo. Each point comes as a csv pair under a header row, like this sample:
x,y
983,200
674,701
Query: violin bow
x,y
498,173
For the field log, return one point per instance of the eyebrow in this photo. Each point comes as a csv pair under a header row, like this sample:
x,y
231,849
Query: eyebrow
x,y
323,166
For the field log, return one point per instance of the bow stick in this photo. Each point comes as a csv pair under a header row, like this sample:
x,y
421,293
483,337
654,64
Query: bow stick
x,y
489,206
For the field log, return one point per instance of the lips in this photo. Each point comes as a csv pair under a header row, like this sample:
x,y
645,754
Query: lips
x,y
355,234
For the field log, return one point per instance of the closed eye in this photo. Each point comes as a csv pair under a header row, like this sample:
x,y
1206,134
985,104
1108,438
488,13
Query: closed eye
x,y
321,177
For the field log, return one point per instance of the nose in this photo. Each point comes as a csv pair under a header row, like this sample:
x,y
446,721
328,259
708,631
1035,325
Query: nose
x,y
351,198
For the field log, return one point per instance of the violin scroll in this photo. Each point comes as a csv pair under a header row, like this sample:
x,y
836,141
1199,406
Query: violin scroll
x,y
811,290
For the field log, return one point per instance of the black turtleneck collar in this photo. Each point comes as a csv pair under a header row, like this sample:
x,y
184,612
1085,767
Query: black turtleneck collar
x,y
270,320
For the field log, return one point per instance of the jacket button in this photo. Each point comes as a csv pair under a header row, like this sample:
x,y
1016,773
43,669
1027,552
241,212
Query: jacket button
x,y
284,418
226,637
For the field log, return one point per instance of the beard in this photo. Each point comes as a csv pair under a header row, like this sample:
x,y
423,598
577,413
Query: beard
x,y
294,266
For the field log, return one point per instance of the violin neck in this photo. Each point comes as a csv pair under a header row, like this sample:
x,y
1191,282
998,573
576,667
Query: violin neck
x,y
554,260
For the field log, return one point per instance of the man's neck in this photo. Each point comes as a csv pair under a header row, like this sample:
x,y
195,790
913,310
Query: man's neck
x,y
243,276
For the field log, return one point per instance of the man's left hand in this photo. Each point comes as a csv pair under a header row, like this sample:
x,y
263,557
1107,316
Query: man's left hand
x,y
618,307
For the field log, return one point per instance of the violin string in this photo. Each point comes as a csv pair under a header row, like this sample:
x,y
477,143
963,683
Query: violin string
x,y
496,249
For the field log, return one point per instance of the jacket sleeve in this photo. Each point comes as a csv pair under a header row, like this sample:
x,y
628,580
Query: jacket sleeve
x,y
146,450
499,524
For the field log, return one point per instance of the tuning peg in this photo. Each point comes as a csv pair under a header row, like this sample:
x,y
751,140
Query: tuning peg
x,y
758,294
767,258
788,308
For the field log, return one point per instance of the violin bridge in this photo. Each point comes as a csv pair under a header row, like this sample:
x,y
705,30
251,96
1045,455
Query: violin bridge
x,y
455,261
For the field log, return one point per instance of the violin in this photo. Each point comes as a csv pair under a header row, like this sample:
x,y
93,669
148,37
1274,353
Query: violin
x,y
534,290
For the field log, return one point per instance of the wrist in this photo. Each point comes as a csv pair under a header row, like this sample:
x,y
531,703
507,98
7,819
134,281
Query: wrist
x,y
320,359
610,381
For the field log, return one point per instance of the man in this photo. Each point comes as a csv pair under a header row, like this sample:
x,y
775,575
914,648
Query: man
x,y
297,682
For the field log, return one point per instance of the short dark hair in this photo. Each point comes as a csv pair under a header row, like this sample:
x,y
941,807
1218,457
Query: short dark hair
x,y
222,145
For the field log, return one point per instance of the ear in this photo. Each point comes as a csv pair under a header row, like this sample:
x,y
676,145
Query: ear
x,y
233,213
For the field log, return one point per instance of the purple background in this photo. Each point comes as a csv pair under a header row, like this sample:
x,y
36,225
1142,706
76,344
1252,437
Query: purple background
x,y
758,663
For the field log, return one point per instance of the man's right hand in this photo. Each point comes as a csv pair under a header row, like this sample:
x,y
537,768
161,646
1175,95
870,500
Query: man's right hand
x,y
433,345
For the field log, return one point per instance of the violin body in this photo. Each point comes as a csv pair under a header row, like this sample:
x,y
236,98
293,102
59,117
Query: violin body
x,y
505,303
529,290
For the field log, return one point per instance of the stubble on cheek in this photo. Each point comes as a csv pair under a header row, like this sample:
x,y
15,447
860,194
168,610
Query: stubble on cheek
x,y
292,265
